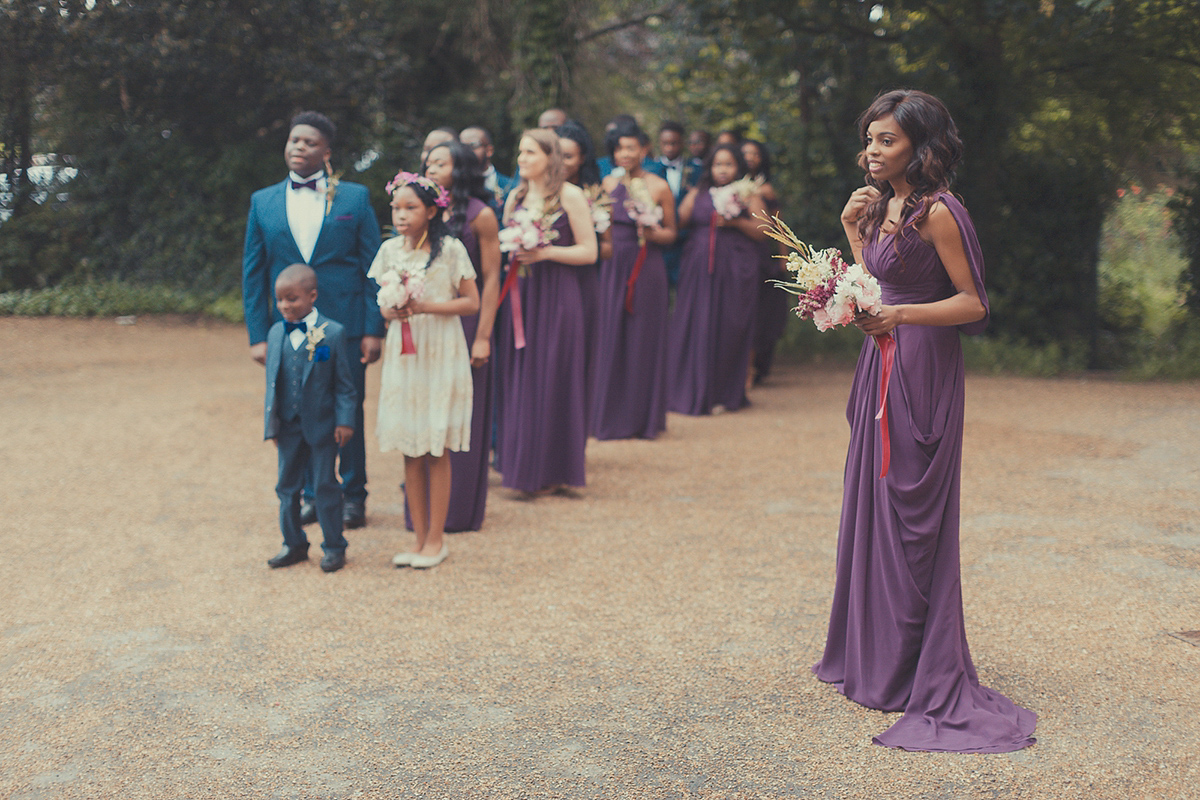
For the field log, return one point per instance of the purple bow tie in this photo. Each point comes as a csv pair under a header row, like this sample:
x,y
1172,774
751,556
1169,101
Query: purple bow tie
x,y
306,185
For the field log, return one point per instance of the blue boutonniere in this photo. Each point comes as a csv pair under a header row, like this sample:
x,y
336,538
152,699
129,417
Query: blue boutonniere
x,y
321,353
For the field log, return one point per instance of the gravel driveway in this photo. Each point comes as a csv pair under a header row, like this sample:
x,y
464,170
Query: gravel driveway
x,y
651,639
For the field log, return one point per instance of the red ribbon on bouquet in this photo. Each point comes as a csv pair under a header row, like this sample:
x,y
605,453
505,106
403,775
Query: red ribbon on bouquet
x,y
633,276
407,346
887,348
510,283
712,241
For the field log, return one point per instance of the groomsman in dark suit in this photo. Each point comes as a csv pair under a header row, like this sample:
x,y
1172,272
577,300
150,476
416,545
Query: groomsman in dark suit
x,y
680,175
312,218
480,142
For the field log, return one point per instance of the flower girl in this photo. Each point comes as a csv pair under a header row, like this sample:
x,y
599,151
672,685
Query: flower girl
x,y
425,395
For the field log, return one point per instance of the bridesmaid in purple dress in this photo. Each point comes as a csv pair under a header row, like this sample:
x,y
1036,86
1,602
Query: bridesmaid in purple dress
x,y
470,219
631,377
774,304
708,342
579,165
897,640
542,400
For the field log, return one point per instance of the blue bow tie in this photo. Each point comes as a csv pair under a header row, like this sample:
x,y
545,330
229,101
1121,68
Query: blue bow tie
x,y
288,327
306,185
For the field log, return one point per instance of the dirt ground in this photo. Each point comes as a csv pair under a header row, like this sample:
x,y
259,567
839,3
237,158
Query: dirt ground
x,y
649,640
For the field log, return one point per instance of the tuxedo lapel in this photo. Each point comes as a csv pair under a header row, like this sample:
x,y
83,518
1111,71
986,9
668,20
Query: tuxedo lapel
x,y
278,213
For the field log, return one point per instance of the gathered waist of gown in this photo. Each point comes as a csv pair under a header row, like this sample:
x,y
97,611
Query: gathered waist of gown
x,y
923,292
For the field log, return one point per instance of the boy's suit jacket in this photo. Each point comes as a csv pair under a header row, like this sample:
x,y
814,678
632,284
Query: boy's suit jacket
x,y
345,248
328,395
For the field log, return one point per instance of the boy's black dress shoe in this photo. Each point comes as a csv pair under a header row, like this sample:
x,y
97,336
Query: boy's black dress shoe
x,y
288,556
308,513
333,561
354,515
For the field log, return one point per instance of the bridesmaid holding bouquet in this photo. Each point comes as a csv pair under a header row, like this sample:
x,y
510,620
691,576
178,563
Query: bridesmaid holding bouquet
x,y
897,640
708,345
631,390
542,400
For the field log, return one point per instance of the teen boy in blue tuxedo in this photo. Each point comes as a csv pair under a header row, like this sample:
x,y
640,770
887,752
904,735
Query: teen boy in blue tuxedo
x,y
313,219
309,411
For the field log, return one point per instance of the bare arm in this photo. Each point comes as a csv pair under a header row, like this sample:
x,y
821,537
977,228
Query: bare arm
x,y
685,207
665,232
941,230
855,207
487,230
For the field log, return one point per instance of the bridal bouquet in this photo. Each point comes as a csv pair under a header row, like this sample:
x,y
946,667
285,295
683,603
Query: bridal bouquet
x,y
528,229
829,291
402,280
733,198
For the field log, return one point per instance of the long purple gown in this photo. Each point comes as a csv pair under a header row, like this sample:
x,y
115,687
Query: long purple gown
x,y
469,468
897,640
542,402
709,335
773,306
630,397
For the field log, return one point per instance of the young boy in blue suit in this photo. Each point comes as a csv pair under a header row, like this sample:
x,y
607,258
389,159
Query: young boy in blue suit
x,y
309,411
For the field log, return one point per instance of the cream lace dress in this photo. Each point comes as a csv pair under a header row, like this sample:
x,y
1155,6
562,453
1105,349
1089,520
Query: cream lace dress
x,y
425,398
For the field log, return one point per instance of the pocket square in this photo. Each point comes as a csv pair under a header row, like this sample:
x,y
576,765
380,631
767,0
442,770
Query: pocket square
x,y
344,217
321,353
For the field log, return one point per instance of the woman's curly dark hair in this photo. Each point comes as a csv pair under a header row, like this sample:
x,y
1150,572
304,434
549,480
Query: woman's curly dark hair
x,y
589,171
936,152
466,182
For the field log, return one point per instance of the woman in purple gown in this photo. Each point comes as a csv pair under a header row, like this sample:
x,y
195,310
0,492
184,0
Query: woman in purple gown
x,y
771,310
470,219
579,166
542,400
708,341
897,640
631,379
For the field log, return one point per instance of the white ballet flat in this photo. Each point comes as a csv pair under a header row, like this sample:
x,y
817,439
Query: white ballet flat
x,y
403,559
425,562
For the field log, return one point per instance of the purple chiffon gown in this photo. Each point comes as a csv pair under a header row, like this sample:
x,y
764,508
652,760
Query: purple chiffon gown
x,y
897,640
469,468
709,335
541,399
630,399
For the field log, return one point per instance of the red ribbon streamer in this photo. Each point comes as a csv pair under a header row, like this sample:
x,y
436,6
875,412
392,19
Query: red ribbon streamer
x,y
887,348
633,276
510,283
712,241
407,346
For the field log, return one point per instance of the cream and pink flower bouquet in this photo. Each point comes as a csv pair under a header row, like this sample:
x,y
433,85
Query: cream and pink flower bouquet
x,y
402,280
829,291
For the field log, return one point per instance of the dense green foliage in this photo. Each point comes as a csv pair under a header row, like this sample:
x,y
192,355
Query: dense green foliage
x,y
175,111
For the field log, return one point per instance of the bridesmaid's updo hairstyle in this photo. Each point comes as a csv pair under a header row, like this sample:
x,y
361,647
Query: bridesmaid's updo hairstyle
x,y
936,152
556,173
466,182
734,150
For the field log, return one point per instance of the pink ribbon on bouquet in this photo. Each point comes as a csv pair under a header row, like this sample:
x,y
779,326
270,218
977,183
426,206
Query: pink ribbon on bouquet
x,y
633,276
510,283
407,346
712,241
887,348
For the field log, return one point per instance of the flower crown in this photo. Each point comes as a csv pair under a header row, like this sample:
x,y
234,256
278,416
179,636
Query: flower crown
x,y
441,198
